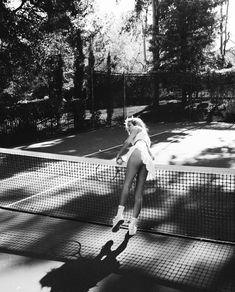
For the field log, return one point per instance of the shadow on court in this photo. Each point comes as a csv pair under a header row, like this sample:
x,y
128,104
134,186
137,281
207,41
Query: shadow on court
x,y
148,262
223,157
85,273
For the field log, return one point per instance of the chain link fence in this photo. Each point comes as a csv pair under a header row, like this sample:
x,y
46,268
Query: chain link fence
x,y
115,96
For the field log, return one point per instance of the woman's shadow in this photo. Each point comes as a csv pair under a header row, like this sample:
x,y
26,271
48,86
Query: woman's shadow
x,y
84,273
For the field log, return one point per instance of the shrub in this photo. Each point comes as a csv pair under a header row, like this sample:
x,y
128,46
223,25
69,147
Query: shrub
x,y
229,115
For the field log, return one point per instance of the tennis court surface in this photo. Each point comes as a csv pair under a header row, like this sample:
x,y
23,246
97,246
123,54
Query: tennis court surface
x,y
60,207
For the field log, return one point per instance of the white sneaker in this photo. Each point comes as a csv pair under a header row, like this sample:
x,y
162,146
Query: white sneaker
x,y
117,222
132,229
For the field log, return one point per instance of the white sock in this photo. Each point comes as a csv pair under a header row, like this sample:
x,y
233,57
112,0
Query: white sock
x,y
133,221
120,210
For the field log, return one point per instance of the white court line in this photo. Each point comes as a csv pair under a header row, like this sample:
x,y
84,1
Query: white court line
x,y
9,179
48,191
63,185
110,148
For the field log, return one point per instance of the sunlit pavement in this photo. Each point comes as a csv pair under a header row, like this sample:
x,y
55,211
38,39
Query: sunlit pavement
x,y
23,274
201,147
197,144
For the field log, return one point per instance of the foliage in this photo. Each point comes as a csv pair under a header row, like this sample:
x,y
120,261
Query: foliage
x,y
229,114
183,33
108,92
42,31
220,82
45,48
120,36
187,28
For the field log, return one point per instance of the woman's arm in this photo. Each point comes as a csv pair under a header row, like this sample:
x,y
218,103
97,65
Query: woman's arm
x,y
127,142
119,159
151,154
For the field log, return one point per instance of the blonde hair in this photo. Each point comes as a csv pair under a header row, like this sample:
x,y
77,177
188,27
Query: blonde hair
x,y
135,122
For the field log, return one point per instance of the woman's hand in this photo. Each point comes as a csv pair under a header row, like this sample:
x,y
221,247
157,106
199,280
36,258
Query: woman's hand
x,y
119,160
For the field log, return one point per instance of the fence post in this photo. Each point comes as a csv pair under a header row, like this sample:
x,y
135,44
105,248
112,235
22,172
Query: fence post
x,y
91,68
124,97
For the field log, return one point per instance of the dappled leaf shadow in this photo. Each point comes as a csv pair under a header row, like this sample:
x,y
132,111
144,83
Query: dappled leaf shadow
x,y
176,202
214,157
13,164
225,276
168,207
200,205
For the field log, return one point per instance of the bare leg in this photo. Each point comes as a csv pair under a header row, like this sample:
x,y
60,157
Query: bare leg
x,y
133,166
141,178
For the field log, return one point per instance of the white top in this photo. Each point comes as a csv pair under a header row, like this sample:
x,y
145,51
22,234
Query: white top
x,y
142,135
142,142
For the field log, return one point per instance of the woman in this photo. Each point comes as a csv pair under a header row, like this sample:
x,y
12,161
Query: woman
x,y
140,163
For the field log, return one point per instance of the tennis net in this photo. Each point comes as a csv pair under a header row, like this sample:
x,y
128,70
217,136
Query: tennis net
x,y
184,201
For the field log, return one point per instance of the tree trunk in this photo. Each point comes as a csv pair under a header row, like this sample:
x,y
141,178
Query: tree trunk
x,y
155,33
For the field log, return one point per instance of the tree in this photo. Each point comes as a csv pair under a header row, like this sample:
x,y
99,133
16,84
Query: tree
x,y
55,82
15,53
40,41
108,92
78,80
224,35
187,29
122,37
182,30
